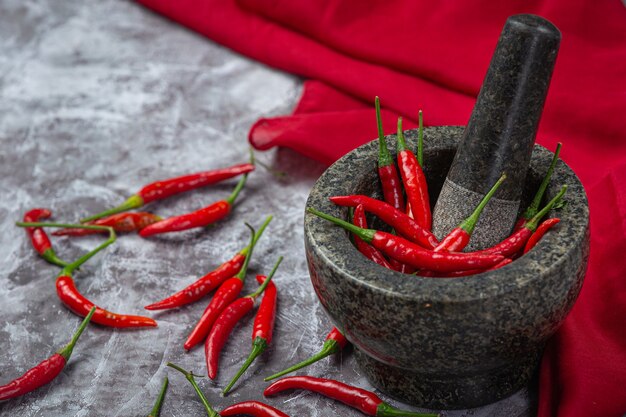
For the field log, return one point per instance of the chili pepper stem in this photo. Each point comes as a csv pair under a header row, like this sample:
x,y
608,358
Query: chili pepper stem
x,y
384,157
267,281
534,205
420,139
258,234
52,258
242,272
190,377
133,202
330,347
401,140
258,347
233,196
365,234
532,223
469,223
66,351
159,401
386,410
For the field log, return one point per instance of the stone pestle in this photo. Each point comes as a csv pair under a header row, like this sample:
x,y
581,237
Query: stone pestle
x,y
500,135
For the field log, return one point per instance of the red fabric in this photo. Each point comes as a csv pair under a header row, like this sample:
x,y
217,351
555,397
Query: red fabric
x,y
433,56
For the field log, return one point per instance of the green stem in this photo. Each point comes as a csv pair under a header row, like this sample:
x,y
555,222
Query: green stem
x,y
159,401
469,223
384,157
267,280
330,347
66,351
534,205
534,222
209,410
420,140
52,258
231,199
133,202
365,234
242,272
258,347
401,141
385,410
258,234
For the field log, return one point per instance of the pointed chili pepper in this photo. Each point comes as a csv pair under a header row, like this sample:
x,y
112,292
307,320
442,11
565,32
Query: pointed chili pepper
x,y
369,251
459,237
121,223
162,189
199,218
39,238
533,208
190,377
210,281
389,179
395,218
335,342
46,371
365,401
226,322
541,230
156,410
225,294
412,254
457,274
252,408
414,182
514,243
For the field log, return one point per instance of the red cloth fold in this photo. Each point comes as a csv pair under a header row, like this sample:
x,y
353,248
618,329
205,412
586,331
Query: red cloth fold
x,y
433,56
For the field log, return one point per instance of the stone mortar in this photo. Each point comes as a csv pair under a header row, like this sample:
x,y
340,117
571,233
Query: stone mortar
x,y
446,343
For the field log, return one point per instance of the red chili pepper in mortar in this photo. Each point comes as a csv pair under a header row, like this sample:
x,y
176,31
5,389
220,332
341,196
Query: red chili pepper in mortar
x,y
335,342
389,179
46,371
414,182
252,408
369,251
541,230
156,410
395,218
457,274
459,237
167,188
225,323
412,254
365,401
121,223
210,281
534,205
39,238
199,218
190,377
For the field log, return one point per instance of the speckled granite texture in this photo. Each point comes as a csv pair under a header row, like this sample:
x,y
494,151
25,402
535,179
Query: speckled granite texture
x,y
450,343
96,99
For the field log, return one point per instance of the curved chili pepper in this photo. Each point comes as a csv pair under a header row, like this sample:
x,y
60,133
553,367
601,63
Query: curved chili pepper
x,y
389,179
541,230
39,238
414,182
199,218
252,408
121,223
225,294
227,320
208,282
414,255
533,208
156,410
459,237
167,188
190,377
395,218
45,371
369,251
335,342
457,274
365,401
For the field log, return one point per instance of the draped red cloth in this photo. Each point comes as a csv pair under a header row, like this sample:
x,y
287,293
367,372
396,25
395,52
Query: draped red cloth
x,y
433,56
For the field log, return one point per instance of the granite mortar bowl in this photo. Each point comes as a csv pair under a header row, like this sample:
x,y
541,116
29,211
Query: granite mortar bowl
x,y
446,343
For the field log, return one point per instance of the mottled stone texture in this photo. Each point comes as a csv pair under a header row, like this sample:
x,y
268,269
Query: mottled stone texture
x,y
501,132
449,343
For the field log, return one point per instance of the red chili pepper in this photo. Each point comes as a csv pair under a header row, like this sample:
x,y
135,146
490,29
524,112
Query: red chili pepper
x,y
252,408
414,255
335,342
121,223
199,218
208,282
167,188
389,179
414,182
262,329
190,377
395,218
226,321
371,253
534,205
459,237
39,238
457,274
541,230
46,371
225,294
365,401
156,410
